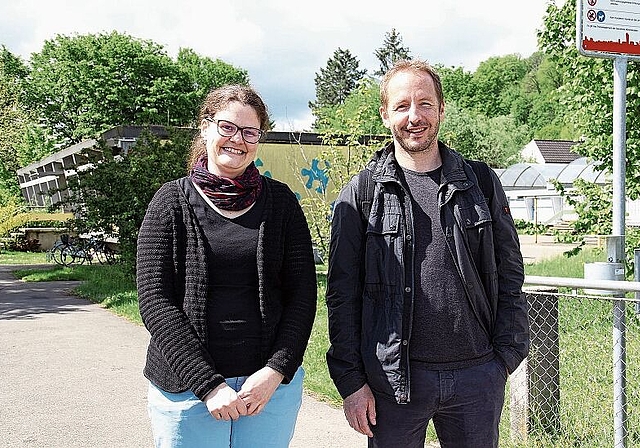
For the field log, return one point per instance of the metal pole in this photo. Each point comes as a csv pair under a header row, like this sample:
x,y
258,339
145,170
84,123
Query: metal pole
x,y
535,216
636,276
617,253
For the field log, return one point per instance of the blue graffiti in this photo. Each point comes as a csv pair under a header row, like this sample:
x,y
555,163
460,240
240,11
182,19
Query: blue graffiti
x,y
260,163
316,174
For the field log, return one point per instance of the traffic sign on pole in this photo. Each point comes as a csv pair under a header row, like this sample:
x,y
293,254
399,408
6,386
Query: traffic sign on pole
x,y
608,28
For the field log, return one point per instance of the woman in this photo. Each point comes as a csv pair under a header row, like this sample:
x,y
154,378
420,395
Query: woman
x,y
227,290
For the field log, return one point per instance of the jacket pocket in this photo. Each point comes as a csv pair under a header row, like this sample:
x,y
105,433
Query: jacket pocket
x,y
475,220
383,255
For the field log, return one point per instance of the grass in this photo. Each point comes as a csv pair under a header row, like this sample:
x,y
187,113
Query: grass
x,y
564,266
13,257
584,326
585,361
317,380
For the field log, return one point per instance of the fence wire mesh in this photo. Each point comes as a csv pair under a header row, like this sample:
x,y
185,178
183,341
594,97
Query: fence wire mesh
x,y
566,392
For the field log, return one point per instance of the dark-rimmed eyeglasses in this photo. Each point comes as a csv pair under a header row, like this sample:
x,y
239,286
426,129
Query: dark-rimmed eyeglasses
x,y
229,129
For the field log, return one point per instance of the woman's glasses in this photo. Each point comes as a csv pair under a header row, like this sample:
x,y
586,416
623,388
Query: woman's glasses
x,y
229,129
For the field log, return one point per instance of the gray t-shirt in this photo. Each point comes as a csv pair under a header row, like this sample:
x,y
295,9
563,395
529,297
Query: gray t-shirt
x,y
445,332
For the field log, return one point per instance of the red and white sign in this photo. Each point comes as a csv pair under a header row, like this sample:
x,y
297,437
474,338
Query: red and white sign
x,y
609,28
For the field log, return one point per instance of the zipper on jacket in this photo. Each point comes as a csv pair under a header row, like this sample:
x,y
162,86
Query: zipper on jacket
x,y
409,269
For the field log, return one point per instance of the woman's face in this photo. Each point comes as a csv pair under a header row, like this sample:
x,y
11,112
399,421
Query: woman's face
x,y
230,156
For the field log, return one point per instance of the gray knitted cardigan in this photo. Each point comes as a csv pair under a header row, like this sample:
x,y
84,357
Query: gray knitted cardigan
x,y
173,283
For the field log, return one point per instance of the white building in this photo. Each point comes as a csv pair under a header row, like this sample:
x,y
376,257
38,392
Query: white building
x,y
529,187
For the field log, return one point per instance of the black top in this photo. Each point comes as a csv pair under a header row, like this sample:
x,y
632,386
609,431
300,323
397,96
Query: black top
x,y
233,311
445,333
173,285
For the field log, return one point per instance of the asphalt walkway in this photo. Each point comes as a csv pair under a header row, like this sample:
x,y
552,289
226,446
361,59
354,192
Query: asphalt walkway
x,y
72,376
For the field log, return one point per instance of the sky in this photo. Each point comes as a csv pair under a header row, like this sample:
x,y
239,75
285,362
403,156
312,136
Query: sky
x,y
282,44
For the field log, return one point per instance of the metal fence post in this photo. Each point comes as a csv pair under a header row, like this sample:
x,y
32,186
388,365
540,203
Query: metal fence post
x,y
636,276
615,255
535,385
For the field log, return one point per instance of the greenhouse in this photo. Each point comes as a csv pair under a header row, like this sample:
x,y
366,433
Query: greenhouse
x,y
533,197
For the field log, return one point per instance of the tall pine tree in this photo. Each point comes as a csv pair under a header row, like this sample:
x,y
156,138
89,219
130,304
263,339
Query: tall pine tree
x,y
337,80
391,51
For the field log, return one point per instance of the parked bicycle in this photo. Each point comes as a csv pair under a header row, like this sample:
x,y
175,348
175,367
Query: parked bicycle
x,y
68,251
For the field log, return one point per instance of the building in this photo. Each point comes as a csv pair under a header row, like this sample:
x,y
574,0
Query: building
x,y
530,186
294,158
550,151
287,156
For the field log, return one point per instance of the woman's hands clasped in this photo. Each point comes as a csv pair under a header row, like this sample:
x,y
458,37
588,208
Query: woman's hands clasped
x,y
224,403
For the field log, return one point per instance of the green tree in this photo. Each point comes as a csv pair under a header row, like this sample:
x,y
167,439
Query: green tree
x,y
586,93
495,82
11,66
81,85
497,141
22,140
344,155
358,113
390,51
337,80
457,85
537,103
204,74
14,121
111,197
592,204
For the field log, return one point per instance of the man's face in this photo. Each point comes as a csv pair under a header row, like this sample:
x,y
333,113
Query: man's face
x,y
413,112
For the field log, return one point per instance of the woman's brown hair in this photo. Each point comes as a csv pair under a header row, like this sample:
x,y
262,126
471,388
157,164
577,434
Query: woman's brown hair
x,y
218,99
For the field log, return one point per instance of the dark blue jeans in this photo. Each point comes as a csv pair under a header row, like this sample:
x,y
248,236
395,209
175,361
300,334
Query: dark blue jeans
x,y
465,406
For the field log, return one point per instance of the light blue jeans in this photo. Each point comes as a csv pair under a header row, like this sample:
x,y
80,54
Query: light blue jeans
x,y
182,420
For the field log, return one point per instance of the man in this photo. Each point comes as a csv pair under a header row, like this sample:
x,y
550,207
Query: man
x,y
426,312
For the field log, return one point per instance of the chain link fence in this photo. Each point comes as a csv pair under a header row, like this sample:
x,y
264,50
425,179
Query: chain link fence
x,y
580,385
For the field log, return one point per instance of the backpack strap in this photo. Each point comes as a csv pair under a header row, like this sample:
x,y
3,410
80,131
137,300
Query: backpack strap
x,y
365,193
483,174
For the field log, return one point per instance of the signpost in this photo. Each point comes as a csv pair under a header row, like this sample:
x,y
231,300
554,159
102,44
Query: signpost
x,y
608,28
611,29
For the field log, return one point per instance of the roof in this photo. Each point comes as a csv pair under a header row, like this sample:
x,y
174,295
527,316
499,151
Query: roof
x,y
557,151
539,175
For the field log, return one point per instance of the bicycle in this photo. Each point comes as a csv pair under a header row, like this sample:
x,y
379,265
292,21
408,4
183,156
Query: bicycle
x,y
60,251
66,252
97,249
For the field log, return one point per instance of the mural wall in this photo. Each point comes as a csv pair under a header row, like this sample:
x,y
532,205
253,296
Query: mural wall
x,y
296,165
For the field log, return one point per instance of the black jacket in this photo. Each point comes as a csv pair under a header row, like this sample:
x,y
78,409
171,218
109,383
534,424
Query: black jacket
x,y
173,285
371,279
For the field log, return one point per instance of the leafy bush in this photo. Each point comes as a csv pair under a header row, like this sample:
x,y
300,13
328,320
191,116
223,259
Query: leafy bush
x,y
25,245
12,216
529,228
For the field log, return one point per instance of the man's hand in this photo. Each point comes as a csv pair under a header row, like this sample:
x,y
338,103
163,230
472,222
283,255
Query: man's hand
x,y
258,389
223,403
360,410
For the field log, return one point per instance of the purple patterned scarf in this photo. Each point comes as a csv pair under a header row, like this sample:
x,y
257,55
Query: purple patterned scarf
x,y
228,194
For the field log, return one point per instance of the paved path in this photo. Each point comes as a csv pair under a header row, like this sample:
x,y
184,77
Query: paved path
x,y
72,376
540,247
